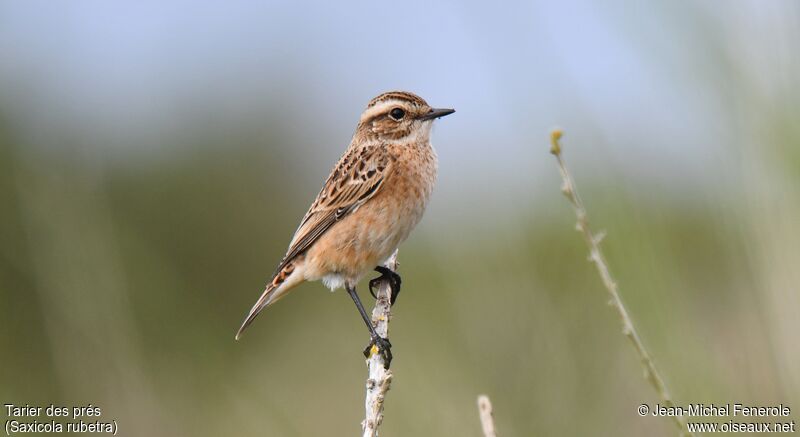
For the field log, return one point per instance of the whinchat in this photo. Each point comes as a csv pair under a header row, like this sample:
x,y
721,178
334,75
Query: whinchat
x,y
375,195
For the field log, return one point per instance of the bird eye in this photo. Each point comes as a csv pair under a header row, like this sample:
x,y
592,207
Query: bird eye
x,y
397,114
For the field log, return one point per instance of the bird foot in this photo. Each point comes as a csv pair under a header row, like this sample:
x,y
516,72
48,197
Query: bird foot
x,y
382,346
389,275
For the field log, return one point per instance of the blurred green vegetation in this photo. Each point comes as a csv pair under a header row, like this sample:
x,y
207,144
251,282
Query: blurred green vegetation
x,y
123,282
130,250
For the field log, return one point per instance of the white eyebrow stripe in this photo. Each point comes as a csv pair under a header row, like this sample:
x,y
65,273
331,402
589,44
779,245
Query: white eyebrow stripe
x,y
380,108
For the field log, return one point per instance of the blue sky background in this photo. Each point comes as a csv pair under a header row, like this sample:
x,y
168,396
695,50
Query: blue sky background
x,y
654,91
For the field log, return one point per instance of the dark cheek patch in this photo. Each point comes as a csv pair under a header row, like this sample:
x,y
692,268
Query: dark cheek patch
x,y
389,129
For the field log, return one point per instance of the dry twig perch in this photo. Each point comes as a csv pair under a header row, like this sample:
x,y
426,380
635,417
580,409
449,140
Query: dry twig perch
x,y
596,256
379,378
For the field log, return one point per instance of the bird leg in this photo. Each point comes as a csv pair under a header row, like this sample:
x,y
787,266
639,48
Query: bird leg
x,y
389,275
383,344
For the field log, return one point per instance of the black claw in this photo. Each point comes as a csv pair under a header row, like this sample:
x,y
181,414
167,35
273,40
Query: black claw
x,y
384,349
374,283
389,275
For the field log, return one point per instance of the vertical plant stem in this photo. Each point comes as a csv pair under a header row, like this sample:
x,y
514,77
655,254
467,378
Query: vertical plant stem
x,y
485,412
596,256
380,378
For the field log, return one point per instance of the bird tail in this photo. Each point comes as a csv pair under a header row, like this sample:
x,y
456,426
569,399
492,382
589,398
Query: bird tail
x,y
283,281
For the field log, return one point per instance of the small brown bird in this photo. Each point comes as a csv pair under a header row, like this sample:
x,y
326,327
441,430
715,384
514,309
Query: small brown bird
x,y
373,198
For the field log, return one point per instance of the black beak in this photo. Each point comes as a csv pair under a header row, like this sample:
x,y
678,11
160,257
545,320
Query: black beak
x,y
436,113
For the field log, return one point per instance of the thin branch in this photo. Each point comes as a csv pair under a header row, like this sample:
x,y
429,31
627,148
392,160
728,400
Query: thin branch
x,y
485,412
379,378
596,256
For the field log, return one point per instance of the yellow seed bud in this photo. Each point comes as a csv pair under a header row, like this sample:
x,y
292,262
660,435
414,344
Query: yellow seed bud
x,y
555,136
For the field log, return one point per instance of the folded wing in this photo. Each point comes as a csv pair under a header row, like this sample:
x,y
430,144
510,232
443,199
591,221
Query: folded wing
x,y
355,179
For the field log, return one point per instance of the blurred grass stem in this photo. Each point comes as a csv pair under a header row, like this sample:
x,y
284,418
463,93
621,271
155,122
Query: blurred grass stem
x,y
485,412
596,256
